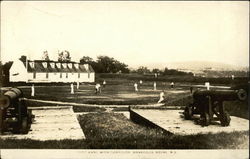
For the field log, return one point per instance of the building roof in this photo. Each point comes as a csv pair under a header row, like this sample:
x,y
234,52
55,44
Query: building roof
x,y
56,66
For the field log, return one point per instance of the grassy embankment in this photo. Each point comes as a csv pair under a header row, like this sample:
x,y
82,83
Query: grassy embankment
x,y
114,131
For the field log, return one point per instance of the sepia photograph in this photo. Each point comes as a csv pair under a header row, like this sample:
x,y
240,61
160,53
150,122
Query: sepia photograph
x,y
124,79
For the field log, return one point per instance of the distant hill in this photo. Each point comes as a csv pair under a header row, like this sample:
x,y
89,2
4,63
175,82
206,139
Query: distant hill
x,y
194,65
201,65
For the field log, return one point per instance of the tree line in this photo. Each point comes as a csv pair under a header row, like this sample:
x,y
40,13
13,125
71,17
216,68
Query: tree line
x,y
165,71
106,64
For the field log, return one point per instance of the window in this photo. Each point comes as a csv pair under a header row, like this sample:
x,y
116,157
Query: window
x,y
64,65
52,65
60,75
88,75
66,75
34,75
58,65
76,65
47,75
32,64
70,65
79,75
44,64
86,66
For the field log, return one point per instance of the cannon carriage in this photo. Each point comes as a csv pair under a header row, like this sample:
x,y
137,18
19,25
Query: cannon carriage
x,y
209,104
15,117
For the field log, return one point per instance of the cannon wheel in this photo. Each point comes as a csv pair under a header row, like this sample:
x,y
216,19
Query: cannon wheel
x,y
188,113
225,119
242,94
29,120
25,126
29,115
205,120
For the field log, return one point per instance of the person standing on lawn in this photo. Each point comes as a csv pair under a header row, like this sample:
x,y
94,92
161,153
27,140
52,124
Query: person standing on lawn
x,y
104,83
191,89
162,96
172,84
136,87
154,86
140,81
97,88
32,90
72,88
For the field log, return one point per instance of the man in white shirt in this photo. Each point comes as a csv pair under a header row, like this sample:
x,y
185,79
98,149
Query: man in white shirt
x,y
162,95
104,83
155,86
136,87
97,88
172,84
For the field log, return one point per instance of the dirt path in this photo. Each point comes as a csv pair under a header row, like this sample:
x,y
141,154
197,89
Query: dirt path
x,y
52,123
173,121
81,104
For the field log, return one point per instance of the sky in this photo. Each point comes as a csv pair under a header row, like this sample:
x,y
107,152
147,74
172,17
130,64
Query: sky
x,y
133,32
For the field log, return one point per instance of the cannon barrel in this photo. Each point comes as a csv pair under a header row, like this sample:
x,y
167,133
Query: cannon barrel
x,y
221,95
4,101
208,103
8,97
14,114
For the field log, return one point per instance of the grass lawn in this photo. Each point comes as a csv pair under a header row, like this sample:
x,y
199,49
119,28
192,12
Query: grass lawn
x,y
111,94
109,130
122,133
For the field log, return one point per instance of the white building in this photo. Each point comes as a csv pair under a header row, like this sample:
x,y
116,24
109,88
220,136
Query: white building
x,y
41,71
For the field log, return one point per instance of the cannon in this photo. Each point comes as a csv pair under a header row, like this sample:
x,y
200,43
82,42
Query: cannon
x,y
15,117
210,103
